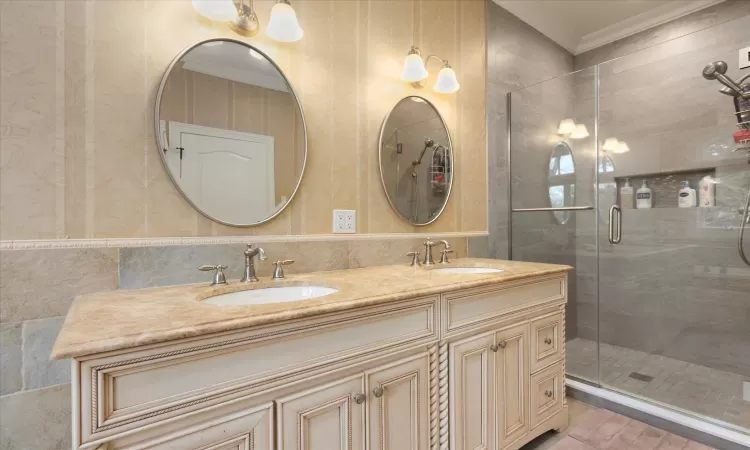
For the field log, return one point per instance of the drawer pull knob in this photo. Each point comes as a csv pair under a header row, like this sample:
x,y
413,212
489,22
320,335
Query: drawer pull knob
x,y
548,394
359,398
377,392
547,341
502,344
494,347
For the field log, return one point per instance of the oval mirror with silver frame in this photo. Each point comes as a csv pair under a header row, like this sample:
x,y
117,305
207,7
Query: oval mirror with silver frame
x,y
416,160
231,132
561,179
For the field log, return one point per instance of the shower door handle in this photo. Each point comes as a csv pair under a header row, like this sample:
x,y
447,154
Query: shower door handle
x,y
615,231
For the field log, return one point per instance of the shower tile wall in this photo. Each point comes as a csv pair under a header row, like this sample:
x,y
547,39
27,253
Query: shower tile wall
x,y
675,286
517,56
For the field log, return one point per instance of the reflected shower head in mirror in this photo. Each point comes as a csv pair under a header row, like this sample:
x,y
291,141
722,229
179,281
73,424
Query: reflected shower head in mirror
x,y
427,144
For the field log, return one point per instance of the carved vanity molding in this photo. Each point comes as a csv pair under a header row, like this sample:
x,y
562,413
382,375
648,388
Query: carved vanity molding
x,y
477,368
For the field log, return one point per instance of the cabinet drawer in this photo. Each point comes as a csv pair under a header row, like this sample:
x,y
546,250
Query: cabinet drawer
x,y
120,393
546,393
546,340
472,308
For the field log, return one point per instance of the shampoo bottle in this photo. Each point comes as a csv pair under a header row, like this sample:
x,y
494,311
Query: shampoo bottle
x,y
686,197
707,192
626,195
643,197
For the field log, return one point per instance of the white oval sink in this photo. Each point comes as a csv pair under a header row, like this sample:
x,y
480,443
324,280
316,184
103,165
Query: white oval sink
x,y
467,270
270,295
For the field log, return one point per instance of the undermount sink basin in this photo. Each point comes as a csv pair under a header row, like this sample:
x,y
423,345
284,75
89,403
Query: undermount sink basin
x,y
270,295
467,270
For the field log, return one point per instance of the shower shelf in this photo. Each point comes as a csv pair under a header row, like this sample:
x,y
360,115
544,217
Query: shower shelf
x,y
666,185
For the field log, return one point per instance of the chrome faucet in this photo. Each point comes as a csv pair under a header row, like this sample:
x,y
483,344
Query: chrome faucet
x,y
219,277
428,244
250,254
444,253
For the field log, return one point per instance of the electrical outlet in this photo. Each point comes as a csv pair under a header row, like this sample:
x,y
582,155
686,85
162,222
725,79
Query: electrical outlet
x,y
344,221
744,58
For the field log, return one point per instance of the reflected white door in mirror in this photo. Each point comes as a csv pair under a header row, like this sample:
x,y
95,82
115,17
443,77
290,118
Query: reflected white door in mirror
x,y
231,132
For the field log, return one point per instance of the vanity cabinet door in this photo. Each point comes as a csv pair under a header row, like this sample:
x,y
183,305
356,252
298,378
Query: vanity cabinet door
x,y
512,374
328,417
248,428
472,378
398,404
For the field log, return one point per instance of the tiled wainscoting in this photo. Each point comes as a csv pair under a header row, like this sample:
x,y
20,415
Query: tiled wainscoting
x,y
38,286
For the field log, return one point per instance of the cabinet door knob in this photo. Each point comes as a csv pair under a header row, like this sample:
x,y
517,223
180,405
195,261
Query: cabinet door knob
x,y
502,344
547,341
494,347
548,393
377,392
359,398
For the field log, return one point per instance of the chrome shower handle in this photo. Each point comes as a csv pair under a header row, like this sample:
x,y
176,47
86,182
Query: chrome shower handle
x,y
615,211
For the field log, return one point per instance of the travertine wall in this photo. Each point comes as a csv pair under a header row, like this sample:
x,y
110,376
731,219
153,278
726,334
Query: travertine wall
x,y
79,160
80,77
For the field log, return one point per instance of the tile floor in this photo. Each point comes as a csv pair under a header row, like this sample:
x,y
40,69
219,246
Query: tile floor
x,y
599,429
689,387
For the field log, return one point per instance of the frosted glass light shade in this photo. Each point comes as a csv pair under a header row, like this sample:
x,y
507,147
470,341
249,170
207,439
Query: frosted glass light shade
x,y
446,82
283,25
414,69
579,132
621,148
610,145
217,10
566,126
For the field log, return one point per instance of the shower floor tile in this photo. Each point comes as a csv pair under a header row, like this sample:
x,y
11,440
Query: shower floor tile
x,y
696,389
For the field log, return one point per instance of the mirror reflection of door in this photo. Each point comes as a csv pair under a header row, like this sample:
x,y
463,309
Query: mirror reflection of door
x,y
561,179
231,132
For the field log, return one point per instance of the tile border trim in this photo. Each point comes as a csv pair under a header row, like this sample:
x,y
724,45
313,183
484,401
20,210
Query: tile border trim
x,y
51,244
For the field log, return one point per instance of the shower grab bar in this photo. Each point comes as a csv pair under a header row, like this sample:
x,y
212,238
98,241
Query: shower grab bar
x,y
567,208
615,211
744,221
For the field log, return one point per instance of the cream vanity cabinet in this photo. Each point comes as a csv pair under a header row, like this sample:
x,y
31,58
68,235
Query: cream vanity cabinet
x,y
478,368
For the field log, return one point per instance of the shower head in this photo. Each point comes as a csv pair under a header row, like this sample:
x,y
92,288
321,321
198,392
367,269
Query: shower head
x,y
711,70
716,71
428,142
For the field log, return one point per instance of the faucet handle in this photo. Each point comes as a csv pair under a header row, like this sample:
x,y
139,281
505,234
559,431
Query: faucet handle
x,y
278,271
446,244
414,258
444,255
219,277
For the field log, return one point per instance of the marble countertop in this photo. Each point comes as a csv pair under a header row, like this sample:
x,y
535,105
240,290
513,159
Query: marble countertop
x,y
122,319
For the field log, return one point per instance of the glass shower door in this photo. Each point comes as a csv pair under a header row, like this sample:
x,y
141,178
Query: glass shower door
x,y
674,295
552,199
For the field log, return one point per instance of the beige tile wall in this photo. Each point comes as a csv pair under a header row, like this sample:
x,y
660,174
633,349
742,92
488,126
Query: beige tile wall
x,y
78,85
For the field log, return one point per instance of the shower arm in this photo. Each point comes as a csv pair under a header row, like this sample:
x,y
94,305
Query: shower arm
x,y
741,83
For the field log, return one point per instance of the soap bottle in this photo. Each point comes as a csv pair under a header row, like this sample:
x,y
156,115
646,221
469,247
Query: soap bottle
x,y
643,197
686,197
707,192
626,195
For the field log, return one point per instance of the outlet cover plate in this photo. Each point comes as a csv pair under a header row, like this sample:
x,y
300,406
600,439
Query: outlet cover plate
x,y
744,58
344,221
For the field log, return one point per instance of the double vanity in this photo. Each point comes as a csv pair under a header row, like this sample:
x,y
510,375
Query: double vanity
x,y
464,355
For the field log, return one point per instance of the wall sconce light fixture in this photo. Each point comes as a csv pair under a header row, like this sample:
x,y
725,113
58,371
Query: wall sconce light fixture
x,y
610,145
415,72
579,132
621,148
282,27
566,127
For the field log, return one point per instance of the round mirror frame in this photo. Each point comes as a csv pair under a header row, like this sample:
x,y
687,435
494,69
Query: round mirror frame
x,y
380,162
160,145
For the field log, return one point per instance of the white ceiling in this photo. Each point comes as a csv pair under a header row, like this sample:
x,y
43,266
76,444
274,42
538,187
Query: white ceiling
x,y
580,25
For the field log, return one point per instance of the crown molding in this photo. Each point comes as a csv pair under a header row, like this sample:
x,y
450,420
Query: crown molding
x,y
50,244
641,22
